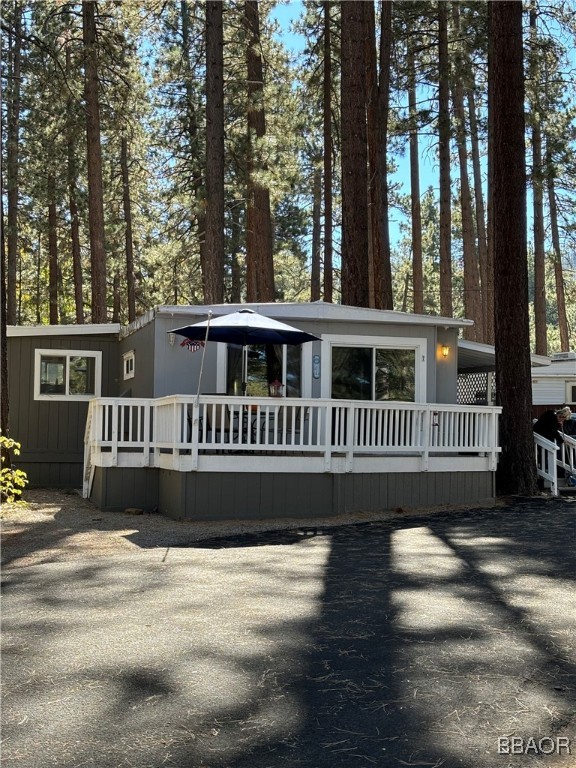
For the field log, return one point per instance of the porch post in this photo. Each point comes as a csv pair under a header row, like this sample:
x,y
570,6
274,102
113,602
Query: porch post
x,y
350,428
493,441
115,414
175,435
426,423
194,435
327,438
146,427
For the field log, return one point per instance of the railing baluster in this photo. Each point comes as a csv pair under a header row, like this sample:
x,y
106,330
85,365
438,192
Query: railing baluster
x,y
163,428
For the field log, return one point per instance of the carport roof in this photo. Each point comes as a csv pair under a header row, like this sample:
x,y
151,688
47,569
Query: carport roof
x,y
474,357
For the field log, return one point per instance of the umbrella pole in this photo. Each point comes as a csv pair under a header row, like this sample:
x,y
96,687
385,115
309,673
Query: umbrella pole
x,y
203,354
244,369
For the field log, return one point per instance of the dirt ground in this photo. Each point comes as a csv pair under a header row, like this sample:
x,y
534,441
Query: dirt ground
x,y
54,526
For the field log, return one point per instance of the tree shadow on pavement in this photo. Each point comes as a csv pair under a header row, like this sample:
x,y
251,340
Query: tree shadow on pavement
x,y
420,641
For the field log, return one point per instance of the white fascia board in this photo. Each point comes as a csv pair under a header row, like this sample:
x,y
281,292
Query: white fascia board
x,y
488,349
318,311
63,330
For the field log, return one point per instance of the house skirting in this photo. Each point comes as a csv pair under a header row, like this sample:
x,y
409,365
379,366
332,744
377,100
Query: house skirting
x,y
273,495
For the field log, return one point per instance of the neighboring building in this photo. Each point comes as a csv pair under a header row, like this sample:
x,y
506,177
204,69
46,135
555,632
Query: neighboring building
x,y
555,384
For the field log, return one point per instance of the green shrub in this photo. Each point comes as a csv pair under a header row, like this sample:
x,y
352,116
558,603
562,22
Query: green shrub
x,y
12,481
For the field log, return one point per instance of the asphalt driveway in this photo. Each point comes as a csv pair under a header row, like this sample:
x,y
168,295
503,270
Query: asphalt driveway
x,y
446,640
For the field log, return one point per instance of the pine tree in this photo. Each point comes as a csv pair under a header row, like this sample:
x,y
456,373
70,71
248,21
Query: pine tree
x,y
355,280
94,162
516,469
213,273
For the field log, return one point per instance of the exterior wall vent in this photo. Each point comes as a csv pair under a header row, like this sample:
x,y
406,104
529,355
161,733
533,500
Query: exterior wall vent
x,y
563,356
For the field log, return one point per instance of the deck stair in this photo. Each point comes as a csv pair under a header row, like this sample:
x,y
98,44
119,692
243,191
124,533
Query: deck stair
x,y
89,468
564,489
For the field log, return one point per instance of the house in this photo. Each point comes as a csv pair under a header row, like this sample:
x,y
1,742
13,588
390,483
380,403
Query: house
x,y
554,384
373,415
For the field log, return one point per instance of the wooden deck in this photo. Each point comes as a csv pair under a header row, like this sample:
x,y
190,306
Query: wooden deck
x,y
277,454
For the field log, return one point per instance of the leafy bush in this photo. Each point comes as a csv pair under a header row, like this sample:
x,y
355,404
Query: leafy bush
x,y
12,481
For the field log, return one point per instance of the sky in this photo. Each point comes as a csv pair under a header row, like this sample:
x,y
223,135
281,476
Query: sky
x,y
286,13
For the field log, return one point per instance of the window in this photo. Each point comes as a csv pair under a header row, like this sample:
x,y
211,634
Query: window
x,y
570,392
266,366
67,374
128,359
372,373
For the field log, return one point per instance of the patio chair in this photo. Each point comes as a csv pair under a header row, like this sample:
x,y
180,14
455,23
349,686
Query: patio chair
x,y
290,417
219,427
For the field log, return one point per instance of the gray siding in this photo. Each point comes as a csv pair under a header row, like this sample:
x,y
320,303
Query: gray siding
x,y
163,369
52,432
117,489
177,368
142,383
259,496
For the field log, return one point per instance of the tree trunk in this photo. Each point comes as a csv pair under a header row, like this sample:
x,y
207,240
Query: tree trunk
x,y
197,183
52,254
415,207
128,239
354,157
472,297
485,276
327,140
444,159
540,329
316,227
235,248
377,94
516,468
558,272
540,325
75,238
39,282
259,261
213,277
12,160
4,397
490,335
94,160
116,302
72,174
372,136
383,280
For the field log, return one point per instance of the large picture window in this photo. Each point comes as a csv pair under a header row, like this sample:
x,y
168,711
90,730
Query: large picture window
x,y
67,374
368,373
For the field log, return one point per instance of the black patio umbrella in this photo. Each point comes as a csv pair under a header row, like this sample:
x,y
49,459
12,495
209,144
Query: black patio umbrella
x,y
243,328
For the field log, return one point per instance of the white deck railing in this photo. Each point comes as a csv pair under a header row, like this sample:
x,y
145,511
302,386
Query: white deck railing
x,y
546,453
550,457
180,431
568,455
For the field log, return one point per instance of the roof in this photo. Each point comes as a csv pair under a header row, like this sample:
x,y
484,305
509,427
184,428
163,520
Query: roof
x,y
474,357
63,330
558,369
317,310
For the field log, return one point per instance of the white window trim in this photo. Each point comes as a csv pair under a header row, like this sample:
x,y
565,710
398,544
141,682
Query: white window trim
x,y
96,355
305,370
127,357
568,391
419,345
